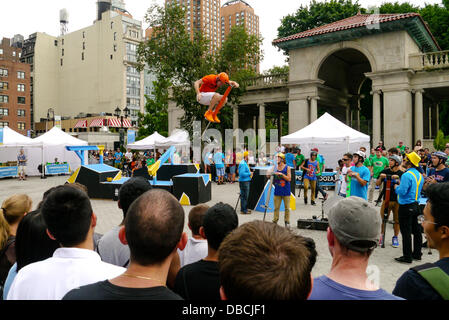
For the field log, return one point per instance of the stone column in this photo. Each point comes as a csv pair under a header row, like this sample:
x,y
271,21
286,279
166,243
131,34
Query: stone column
x,y
280,124
313,109
254,122
298,115
419,127
261,116
437,118
235,117
398,117
376,116
348,116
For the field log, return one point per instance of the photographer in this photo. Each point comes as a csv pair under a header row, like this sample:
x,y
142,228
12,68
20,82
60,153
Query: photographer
x,y
394,173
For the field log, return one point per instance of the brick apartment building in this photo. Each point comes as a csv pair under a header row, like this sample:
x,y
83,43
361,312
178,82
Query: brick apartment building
x,y
15,89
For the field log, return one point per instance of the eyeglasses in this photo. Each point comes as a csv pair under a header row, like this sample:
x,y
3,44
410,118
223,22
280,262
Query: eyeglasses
x,y
421,220
345,159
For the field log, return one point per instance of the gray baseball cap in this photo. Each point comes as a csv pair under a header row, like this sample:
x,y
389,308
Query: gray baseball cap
x,y
355,223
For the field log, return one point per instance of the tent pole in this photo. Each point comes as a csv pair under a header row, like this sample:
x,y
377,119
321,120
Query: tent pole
x,y
43,165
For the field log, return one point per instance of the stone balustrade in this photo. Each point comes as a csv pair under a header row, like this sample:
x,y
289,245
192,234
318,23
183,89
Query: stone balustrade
x,y
272,80
430,60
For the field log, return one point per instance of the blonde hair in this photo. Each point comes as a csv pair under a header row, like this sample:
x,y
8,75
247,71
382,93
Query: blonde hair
x,y
12,211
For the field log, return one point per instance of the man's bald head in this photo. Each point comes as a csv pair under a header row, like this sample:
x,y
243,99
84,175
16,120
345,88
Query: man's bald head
x,y
154,225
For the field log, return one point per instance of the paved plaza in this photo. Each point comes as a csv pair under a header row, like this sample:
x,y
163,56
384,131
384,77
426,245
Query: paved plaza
x,y
381,262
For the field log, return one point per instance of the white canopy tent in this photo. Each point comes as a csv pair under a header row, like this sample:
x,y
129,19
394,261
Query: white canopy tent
x,y
179,138
54,143
148,143
332,137
13,142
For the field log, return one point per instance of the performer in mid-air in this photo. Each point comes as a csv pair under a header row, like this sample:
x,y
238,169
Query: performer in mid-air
x,y
205,93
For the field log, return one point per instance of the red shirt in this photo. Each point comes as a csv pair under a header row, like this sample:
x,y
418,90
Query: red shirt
x,y
209,83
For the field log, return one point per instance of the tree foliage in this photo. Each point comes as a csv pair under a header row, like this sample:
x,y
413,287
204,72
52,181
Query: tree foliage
x,y
277,70
179,60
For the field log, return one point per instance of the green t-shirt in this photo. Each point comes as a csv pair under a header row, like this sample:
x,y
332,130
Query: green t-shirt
x,y
321,163
299,159
378,165
402,149
150,161
367,162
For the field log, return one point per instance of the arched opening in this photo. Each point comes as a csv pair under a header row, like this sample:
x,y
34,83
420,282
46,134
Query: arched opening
x,y
345,93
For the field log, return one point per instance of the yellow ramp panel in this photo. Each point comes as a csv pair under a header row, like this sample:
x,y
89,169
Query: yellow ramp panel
x,y
292,202
73,177
185,200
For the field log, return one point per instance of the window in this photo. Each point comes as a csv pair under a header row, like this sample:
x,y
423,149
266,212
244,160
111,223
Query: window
x,y
56,43
115,36
82,55
115,47
20,75
21,87
84,34
62,41
63,52
3,72
62,62
1,51
3,85
112,25
3,124
111,56
4,98
84,45
4,112
21,100
20,113
20,125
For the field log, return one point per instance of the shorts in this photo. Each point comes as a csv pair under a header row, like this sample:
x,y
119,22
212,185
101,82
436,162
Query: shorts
x,y
232,170
220,172
206,98
22,169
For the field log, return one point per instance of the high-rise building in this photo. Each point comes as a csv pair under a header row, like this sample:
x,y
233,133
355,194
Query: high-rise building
x,y
15,88
87,72
238,12
202,15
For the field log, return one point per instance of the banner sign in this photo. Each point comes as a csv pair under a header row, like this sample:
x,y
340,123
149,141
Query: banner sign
x,y
58,122
327,179
9,172
131,136
1,136
57,168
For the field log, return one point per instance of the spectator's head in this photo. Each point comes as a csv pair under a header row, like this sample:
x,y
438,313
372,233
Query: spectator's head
x,y
153,228
130,191
68,214
281,158
381,143
439,159
358,157
372,151
426,151
378,152
79,186
280,267
245,155
354,228
363,149
446,150
313,155
418,143
400,143
196,216
12,211
394,161
347,158
32,241
406,149
218,221
392,151
436,216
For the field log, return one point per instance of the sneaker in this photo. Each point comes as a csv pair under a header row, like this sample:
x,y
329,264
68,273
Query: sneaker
x,y
312,203
417,258
216,120
395,242
305,200
209,116
287,225
381,241
325,197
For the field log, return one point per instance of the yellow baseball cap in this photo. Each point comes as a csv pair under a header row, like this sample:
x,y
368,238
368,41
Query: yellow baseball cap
x,y
281,155
245,154
414,158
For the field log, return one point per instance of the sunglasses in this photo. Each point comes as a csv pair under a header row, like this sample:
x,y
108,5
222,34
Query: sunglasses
x,y
345,159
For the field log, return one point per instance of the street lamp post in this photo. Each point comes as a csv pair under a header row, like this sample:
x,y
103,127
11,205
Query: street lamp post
x,y
118,114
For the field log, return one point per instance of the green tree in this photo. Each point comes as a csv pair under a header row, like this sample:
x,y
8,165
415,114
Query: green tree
x,y
396,7
156,116
440,141
317,14
180,59
277,70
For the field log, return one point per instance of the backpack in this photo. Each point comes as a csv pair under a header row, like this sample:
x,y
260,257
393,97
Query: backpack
x,y
435,277
5,263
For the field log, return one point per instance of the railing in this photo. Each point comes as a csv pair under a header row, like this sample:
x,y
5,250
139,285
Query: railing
x,y
272,80
430,60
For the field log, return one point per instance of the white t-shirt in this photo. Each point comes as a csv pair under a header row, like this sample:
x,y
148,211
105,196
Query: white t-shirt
x,y
112,250
194,251
129,155
67,269
344,172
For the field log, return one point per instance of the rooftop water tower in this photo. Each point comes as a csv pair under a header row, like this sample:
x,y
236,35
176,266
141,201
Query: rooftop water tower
x,y
103,6
64,21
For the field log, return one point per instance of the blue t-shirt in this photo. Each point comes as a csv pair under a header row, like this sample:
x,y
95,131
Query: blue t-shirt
x,y
311,174
218,160
325,288
289,158
9,280
440,176
206,159
282,186
356,188
411,286
118,157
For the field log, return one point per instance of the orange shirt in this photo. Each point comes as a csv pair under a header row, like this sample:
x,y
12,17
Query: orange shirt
x,y
209,83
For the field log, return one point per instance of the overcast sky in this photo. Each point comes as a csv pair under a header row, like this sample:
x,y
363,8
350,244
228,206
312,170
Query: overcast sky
x,y
28,16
